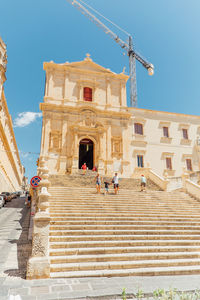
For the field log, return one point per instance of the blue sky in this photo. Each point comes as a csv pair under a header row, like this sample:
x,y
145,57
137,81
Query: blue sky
x,y
165,32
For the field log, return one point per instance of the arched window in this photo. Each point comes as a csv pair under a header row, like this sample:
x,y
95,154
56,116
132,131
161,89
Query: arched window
x,y
87,94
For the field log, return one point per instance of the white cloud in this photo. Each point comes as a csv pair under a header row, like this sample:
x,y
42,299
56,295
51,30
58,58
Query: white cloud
x,y
25,118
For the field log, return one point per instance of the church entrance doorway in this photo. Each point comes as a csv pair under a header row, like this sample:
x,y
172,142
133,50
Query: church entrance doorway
x,y
86,153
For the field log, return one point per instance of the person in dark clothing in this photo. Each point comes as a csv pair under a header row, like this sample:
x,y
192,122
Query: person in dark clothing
x,y
106,187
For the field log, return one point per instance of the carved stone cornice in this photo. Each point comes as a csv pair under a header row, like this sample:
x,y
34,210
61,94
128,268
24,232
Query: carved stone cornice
x,y
84,129
90,82
65,108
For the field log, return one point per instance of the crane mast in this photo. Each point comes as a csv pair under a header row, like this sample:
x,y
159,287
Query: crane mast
x,y
128,47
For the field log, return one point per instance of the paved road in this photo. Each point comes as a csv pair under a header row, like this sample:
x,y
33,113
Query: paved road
x,y
14,245
15,250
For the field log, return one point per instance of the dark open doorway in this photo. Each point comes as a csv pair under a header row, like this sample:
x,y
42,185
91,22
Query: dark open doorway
x,y
86,149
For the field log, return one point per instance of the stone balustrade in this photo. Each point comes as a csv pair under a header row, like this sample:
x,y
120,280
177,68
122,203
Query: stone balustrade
x,y
38,265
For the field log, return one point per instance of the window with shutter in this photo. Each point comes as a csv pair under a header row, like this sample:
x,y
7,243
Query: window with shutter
x,y
166,132
189,164
140,161
87,94
169,163
185,133
138,128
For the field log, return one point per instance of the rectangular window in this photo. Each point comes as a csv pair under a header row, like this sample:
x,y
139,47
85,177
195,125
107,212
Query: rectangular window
x,y
168,163
189,164
166,132
140,161
185,133
87,94
138,128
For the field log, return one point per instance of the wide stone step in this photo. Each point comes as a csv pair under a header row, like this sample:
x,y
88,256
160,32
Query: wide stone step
x,y
119,218
123,257
129,195
63,221
141,239
116,213
121,199
122,193
124,232
115,207
99,265
145,246
155,251
137,214
108,272
124,226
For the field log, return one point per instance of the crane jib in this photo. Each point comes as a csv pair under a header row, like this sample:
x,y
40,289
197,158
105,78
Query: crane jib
x,y
129,48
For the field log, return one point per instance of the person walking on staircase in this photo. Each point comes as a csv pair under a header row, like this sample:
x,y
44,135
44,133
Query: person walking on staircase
x,y
84,168
143,183
98,183
115,180
106,187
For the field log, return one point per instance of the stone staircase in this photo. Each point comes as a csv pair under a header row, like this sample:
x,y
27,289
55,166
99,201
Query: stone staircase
x,y
78,180
130,234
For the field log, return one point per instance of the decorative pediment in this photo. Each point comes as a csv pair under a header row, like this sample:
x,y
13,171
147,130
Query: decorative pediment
x,y
85,66
89,65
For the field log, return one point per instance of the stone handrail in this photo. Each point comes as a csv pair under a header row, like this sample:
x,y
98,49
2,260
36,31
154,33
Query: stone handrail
x,y
175,183
39,265
158,180
194,177
192,189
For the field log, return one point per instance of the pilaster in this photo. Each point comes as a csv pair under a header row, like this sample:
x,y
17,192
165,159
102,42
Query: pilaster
x,y
108,91
66,86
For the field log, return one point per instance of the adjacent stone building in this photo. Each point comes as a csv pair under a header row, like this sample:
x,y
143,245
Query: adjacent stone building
x,y
86,119
11,169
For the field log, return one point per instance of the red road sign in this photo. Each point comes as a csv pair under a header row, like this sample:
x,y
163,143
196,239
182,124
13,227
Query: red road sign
x,y
35,181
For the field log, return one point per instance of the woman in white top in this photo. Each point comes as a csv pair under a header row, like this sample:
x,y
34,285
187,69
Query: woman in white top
x,y
116,183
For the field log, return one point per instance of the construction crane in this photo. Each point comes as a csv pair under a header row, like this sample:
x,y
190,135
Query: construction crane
x,y
126,46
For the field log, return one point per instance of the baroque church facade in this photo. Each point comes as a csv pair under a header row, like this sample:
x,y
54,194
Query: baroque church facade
x,y
86,119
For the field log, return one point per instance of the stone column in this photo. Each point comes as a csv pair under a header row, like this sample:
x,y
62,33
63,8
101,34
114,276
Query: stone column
x,y
50,84
46,137
101,164
63,155
39,265
108,91
123,94
81,92
75,156
66,86
109,136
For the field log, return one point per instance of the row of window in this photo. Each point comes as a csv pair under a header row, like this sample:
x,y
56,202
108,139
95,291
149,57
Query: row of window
x,y
184,132
140,163
87,96
139,130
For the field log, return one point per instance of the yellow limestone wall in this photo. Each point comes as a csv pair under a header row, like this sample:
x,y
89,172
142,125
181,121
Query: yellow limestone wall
x,y
11,170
